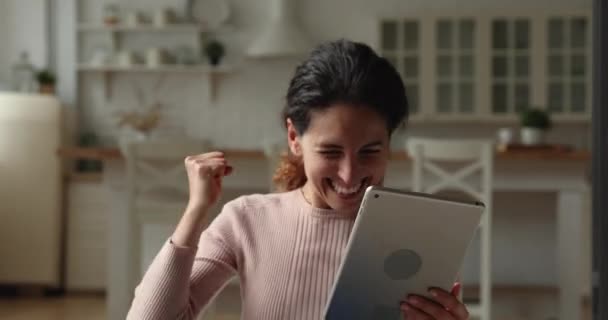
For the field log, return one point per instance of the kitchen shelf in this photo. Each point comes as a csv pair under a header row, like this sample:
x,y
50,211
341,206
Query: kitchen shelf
x,y
161,69
214,73
142,28
150,28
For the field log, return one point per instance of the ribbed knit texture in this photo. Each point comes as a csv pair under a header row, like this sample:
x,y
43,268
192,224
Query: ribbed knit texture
x,y
285,251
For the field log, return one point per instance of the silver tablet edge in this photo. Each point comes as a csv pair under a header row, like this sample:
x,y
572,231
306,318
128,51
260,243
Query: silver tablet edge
x,y
425,195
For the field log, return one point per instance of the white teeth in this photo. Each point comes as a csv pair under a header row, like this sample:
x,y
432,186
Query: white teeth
x,y
346,191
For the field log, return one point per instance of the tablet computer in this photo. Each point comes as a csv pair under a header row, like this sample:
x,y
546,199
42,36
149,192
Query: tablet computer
x,y
402,243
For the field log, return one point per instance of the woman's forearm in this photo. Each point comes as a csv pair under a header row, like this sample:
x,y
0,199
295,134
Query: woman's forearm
x,y
190,227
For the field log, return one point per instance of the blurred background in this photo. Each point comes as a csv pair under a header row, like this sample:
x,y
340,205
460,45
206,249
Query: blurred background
x,y
84,84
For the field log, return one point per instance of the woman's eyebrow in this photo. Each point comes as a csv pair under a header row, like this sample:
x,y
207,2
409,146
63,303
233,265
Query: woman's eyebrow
x,y
329,145
373,144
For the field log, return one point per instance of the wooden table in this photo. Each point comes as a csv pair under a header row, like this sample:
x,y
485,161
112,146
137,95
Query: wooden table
x,y
564,173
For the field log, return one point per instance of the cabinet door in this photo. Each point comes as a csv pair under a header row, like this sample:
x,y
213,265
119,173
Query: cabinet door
x,y
510,65
492,65
568,78
87,236
400,45
454,84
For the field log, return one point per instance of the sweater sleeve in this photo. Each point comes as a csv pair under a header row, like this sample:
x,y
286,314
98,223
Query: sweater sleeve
x,y
180,281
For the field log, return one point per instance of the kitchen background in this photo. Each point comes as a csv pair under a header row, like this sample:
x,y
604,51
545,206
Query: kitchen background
x,y
236,105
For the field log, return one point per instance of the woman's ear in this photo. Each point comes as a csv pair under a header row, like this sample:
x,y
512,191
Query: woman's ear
x,y
293,139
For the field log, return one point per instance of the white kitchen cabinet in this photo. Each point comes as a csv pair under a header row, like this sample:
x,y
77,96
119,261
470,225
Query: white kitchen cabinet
x,y
87,233
489,66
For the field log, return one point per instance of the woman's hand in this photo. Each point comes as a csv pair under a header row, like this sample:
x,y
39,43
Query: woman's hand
x,y
205,174
445,306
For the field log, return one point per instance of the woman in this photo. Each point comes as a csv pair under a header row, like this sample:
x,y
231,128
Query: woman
x,y
343,104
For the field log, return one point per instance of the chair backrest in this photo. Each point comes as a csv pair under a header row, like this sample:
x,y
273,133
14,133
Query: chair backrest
x,y
158,165
435,155
473,160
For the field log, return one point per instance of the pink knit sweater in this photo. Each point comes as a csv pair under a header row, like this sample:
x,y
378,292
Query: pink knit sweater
x,y
285,252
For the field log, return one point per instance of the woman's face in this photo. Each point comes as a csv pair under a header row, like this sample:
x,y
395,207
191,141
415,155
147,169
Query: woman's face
x,y
345,149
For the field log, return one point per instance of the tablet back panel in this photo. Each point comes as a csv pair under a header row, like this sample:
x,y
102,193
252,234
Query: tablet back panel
x,y
401,243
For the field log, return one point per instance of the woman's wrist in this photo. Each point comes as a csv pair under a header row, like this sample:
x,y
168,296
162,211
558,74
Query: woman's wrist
x,y
190,226
198,209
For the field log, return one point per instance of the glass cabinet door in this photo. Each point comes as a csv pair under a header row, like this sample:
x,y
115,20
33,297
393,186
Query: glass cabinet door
x,y
568,75
400,45
454,66
493,66
510,65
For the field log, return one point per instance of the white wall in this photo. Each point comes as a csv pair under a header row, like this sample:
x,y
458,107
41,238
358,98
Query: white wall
x,y
26,30
4,64
64,25
23,28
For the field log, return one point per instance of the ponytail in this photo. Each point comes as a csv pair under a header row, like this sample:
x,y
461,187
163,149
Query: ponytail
x,y
289,174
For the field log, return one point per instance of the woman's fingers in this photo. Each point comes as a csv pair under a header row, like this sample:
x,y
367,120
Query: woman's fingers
x,y
450,302
215,167
412,313
228,170
205,156
214,160
205,174
430,308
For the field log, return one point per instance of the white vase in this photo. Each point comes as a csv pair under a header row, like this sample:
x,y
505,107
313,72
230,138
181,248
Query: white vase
x,y
531,136
505,136
154,58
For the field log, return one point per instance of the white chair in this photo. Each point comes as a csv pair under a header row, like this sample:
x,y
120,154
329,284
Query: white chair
x,y
157,186
439,157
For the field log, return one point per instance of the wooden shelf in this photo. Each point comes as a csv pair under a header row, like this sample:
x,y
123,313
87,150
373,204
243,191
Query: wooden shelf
x,y
150,28
92,153
88,177
212,72
162,69
117,36
179,27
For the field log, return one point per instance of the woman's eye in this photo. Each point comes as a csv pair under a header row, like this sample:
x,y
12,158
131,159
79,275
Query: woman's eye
x,y
369,152
332,154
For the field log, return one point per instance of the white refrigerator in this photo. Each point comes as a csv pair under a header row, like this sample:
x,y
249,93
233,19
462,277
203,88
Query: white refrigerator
x,y
30,190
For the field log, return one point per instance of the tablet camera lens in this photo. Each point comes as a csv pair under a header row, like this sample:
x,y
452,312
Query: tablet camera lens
x,y
376,196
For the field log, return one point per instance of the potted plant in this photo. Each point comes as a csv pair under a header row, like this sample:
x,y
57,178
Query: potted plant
x,y
46,81
214,50
534,123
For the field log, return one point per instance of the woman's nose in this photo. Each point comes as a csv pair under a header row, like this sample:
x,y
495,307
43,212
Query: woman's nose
x,y
348,171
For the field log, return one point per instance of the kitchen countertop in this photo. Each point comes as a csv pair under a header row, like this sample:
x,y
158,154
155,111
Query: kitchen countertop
x,y
114,153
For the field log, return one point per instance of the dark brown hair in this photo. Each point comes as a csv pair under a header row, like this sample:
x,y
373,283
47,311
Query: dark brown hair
x,y
345,72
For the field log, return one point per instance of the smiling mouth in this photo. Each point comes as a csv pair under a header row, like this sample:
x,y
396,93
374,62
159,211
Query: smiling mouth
x,y
351,191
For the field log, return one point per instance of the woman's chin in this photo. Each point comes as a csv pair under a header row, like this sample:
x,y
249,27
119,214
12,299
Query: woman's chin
x,y
342,203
